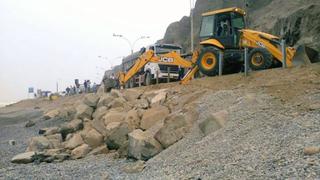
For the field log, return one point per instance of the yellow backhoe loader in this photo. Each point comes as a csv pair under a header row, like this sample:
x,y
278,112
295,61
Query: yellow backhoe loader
x,y
225,31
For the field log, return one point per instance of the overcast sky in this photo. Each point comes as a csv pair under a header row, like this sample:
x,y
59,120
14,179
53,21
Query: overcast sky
x,y
47,41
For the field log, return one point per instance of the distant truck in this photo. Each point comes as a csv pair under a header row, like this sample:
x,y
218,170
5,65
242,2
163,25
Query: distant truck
x,y
149,73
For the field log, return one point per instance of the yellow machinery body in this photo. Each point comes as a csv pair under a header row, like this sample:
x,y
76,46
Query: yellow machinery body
x,y
206,58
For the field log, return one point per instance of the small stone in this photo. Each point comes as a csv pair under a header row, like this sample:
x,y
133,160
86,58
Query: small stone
x,y
30,124
314,107
136,167
12,142
311,150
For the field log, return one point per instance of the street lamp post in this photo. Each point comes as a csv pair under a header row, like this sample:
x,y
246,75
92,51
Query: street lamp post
x,y
131,44
191,24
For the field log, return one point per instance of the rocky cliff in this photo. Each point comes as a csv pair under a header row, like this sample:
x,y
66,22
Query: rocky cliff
x,y
297,19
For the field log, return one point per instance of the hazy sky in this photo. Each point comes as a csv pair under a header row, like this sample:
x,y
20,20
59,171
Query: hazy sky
x,y
47,41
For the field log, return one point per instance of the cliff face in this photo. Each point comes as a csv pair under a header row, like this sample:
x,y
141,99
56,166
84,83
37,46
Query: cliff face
x,y
298,19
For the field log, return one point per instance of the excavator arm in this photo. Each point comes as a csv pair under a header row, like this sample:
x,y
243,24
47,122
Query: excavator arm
x,y
171,58
256,39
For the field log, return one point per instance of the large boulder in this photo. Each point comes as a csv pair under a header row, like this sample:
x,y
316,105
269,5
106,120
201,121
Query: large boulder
x,y
142,145
91,100
141,103
72,126
50,131
100,112
51,114
132,94
93,138
84,111
75,124
153,115
38,144
115,93
98,125
117,135
80,151
67,113
160,98
175,127
117,102
133,119
55,140
75,141
105,100
99,150
113,116
214,122
23,158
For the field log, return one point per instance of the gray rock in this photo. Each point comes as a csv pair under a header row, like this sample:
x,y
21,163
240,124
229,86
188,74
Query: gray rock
x,y
117,135
135,167
91,100
23,158
80,151
153,115
84,111
12,142
214,122
142,145
105,100
30,124
38,144
174,128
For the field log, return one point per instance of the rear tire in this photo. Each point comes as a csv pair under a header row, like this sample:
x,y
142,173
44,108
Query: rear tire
x,y
260,59
208,61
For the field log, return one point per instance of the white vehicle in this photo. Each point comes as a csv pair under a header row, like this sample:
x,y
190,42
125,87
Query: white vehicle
x,y
151,71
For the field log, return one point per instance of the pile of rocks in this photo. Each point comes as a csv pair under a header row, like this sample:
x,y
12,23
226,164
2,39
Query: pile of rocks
x,y
128,123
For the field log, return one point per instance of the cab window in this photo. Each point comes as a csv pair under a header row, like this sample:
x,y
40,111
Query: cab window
x,y
207,26
238,21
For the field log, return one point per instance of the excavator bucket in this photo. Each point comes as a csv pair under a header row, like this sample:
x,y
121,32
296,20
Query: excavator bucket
x,y
305,55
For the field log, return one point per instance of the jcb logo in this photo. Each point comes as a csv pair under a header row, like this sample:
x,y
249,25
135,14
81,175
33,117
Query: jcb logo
x,y
166,59
260,44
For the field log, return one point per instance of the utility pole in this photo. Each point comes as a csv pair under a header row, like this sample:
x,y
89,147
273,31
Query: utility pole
x,y
191,24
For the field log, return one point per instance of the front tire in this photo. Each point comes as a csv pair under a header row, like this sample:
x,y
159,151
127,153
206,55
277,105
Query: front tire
x,y
260,59
208,61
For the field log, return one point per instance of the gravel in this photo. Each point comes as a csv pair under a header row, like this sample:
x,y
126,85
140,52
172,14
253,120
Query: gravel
x,y
269,125
261,140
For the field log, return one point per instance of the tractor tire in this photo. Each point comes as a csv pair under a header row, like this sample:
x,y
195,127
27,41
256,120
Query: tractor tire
x,y
208,61
148,79
260,59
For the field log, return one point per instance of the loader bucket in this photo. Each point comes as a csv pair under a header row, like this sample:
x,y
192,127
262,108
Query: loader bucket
x,y
305,55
